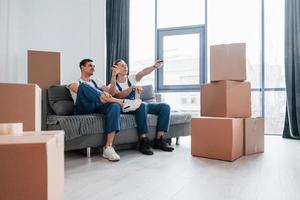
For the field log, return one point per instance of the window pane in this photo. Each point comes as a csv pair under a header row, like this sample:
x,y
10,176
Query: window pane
x,y
183,101
235,21
142,37
256,103
181,59
274,44
275,104
187,12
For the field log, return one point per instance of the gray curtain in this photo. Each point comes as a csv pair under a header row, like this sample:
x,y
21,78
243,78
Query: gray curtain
x,y
292,68
117,33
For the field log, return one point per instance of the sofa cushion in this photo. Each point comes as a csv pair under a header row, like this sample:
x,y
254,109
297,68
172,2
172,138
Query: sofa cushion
x,y
60,100
148,94
79,125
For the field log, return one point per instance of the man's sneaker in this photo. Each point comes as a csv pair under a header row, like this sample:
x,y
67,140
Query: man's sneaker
x,y
162,145
110,154
131,105
145,146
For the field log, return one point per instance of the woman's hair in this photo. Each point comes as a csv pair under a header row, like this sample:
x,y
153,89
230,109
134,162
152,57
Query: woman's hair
x,y
117,61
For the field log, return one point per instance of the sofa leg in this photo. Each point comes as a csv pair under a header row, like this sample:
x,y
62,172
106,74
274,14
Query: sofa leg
x,y
88,152
177,140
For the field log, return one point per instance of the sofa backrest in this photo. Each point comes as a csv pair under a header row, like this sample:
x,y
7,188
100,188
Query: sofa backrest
x,y
60,100
148,94
57,99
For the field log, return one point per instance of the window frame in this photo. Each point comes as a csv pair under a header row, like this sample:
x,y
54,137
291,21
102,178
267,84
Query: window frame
x,y
184,30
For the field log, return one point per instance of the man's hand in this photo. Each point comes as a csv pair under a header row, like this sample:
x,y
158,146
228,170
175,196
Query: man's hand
x,y
158,64
106,94
115,70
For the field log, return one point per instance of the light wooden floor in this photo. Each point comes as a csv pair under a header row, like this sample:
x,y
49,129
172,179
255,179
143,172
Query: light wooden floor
x,y
274,175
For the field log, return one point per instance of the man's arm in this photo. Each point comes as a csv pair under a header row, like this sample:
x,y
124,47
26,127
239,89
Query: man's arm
x,y
148,70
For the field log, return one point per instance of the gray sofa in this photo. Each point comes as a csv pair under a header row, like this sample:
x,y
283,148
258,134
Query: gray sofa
x,y
87,131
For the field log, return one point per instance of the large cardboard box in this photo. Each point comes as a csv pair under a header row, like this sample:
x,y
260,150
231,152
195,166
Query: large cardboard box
x,y
228,62
253,135
21,103
43,68
217,138
32,166
226,99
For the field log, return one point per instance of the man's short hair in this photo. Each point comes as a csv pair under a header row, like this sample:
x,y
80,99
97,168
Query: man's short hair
x,y
84,61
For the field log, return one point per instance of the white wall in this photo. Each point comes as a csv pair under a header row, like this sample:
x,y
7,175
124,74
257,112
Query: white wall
x,y
76,28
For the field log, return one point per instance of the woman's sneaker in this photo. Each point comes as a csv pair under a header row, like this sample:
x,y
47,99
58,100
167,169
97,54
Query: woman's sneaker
x,y
131,105
110,154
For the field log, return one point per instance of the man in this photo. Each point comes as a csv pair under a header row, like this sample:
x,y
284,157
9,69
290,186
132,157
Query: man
x,y
92,96
126,87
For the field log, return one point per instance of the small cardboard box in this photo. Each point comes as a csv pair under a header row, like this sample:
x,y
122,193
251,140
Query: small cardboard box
x,y
228,62
217,138
32,166
226,99
21,103
253,135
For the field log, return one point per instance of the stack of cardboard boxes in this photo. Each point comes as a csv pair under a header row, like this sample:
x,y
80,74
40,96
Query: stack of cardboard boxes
x,y
226,130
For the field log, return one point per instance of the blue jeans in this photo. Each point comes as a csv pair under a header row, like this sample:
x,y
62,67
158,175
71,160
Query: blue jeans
x,y
88,101
162,110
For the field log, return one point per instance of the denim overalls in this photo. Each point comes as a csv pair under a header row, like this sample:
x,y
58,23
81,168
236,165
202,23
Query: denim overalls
x,y
88,101
132,93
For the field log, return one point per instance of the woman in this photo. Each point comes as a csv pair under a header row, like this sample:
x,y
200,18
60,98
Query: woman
x,y
126,86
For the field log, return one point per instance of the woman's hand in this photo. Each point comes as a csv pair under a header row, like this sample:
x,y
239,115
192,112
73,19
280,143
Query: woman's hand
x,y
115,70
158,64
138,89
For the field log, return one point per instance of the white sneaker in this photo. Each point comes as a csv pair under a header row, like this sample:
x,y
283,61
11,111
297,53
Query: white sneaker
x,y
131,105
110,154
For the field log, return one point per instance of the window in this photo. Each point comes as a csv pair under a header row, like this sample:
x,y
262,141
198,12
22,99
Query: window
x,y
175,30
142,37
180,71
274,111
235,21
275,95
256,104
183,101
186,13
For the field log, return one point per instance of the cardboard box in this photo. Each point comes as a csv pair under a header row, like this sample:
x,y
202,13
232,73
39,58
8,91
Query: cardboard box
x,y
217,138
253,135
21,103
32,166
226,99
43,68
228,62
